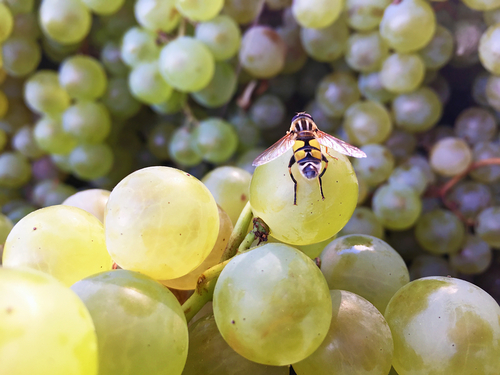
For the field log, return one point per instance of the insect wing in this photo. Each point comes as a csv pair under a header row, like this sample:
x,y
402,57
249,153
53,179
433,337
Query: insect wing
x,y
339,145
277,149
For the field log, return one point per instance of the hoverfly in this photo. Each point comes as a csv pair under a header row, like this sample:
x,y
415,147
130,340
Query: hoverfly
x,y
307,142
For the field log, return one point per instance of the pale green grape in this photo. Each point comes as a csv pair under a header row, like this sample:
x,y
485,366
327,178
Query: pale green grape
x,y
487,226
4,104
199,10
40,191
262,52
482,4
140,325
16,117
371,88
220,89
5,228
6,22
56,51
314,219
64,241
358,335
24,142
336,92
474,257
367,122
159,139
221,35
444,326
470,198
396,207
58,194
104,7
489,50
43,94
364,15
408,25
402,73
488,173
91,161
186,64
119,100
15,169
295,55
450,156
147,84
26,26
267,111
20,56
475,125
140,229
111,58
324,122
230,187
87,122
20,6
401,144
83,77
65,21
48,322
430,265
410,176
325,44
3,140
377,166
20,212
182,149
365,52
62,161
243,11
157,15
279,319
317,13
51,137
440,232
173,104
139,45
248,133
92,200
363,221
278,4
215,140
439,51
491,17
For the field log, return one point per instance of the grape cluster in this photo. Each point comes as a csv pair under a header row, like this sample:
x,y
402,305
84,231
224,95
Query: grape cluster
x,y
128,129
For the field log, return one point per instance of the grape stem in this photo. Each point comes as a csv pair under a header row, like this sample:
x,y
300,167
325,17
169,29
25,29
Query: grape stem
x,y
239,233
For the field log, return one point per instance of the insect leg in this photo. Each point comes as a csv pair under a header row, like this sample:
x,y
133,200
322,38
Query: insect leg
x,y
323,158
292,162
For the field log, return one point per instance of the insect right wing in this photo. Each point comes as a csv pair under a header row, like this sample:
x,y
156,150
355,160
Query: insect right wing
x,y
339,145
277,149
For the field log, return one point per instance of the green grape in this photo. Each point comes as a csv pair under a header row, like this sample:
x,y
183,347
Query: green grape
x,y
402,73
16,117
396,207
440,232
20,56
487,226
51,137
172,105
220,89
365,15
3,140
20,212
92,200
314,219
365,52
44,95
267,112
430,265
475,125
190,281
278,4
4,104
336,92
295,55
248,133
326,44
488,173
221,35
439,51
199,10
91,161
410,176
243,11
83,77
262,52
62,161
15,169
119,100
6,22
49,323
482,4
367,122
147,84
5,228
104,7
317,13
408,25
20,6
186,64
364,265
417,111
40,241
40,191
24,142
324,122
450,156
474,257
358,335
140,325
58,194
193,223
261,327
401,144
488,49
479,88
111,58
87,122
57,52
65,21
377,166
230,186
442,88
215,140
156,15
371,88
181,148
363,221
467,34
139,45
159,139
491,17
443,326
470,198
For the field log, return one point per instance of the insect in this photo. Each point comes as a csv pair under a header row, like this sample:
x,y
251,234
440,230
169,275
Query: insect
x,y
307,142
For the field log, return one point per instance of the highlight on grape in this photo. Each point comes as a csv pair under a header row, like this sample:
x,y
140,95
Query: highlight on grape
x,y
138,236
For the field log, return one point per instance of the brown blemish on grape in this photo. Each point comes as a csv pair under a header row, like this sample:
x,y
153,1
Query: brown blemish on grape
x,y
243,197
34,228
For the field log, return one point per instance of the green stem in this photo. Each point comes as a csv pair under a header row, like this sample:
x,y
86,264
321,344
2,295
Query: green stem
x,y
239,233
198,300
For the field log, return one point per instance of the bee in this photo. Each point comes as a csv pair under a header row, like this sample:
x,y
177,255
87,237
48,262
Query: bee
x,y
309,144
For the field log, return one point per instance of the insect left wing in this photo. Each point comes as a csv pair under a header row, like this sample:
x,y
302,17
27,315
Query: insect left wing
x,y
277,149
339,145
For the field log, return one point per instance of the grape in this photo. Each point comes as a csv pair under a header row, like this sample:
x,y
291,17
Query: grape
x,y
186,64
230,187
309,76
450,156
104,8
248,133
491,17
65,21
482,4
430,265
5,228
156,15
193,223
408,25
190,281
475,125
112,60
467,35
336,92
479,89
6,22
182,149
49,323
488,49
43,94
295,55
215,140
147,84
444,325
87,122
442,88
61,161
15,170
268,111
324,122
417,111
318,13
487,226
199,10
371,88
220,89
24,142
91,161
173,104
139,45
40,191
20,56
261,327
366,51
140,325
401,144
83,77
92,200
159,139
402,73
482,151
221,35
358,335
364,265
17,214
51,137
377,166
3,140
440,232
16,117
363,221
4,104
470,197
367,122
58,194
410,176
118,99
57,52
365,15
325,44
474,257
243,11
493,92
40,241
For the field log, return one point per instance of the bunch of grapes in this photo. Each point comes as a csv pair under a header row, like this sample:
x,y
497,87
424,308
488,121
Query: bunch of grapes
x,y
128,129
